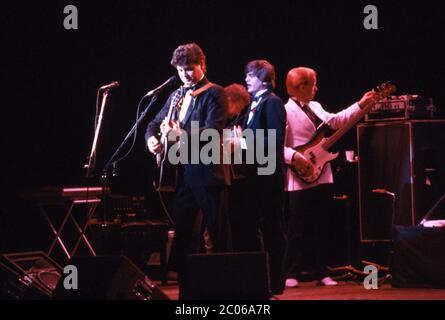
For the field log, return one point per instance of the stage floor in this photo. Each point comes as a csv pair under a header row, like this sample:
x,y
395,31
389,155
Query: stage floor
x,y
346,290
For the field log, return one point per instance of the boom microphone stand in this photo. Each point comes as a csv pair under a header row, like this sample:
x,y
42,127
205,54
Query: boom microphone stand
x,y
97,126
112,162
348,271
392,195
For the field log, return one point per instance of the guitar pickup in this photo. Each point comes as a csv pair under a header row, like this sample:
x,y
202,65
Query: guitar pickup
x,y
312,157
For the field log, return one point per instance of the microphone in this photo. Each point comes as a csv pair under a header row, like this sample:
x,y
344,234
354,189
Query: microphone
x,y
110,85
167,83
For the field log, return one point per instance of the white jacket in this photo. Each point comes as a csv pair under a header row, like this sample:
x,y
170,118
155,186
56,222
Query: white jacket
x,y
300,130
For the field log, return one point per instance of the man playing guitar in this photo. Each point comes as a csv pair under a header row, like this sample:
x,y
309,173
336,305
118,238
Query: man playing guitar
x,y
199,187
309,202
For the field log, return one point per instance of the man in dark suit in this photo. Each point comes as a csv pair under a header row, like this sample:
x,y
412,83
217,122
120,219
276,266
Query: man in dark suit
x,y
199,186
260,226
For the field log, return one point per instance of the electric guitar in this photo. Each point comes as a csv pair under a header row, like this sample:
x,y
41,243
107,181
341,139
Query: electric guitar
x,y
316,151
167,172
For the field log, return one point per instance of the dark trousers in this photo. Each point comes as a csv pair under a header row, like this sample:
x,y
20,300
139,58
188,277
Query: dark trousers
x,y
188,201
307,234
256,223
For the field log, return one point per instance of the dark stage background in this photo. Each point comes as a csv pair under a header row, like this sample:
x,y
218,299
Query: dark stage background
x,y
50,75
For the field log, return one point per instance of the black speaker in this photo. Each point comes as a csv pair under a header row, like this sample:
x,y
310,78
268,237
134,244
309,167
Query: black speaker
x,y
404,158
28,276
226,276
418,259
109,278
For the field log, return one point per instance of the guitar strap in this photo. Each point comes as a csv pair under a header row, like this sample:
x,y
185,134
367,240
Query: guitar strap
x,y
193,95
202,89
191,105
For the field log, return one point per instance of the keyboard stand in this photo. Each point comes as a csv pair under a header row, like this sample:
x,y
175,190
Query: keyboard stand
x,y
92,204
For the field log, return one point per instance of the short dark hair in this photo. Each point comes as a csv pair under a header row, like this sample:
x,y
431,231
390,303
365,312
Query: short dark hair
x,y
263,70
188,54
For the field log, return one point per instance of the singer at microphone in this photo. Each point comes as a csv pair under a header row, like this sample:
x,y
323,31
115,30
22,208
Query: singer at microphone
x,y
167,83
201,187
114,84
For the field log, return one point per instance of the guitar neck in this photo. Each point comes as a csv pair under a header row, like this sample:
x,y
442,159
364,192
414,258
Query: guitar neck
x,y
383,91
340,132
175,100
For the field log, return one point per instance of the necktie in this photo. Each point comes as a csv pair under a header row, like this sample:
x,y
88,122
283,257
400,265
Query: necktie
x,y
311,115
256,98
253,107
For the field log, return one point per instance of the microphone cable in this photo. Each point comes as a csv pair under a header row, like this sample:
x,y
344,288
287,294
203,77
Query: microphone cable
x,y
153,100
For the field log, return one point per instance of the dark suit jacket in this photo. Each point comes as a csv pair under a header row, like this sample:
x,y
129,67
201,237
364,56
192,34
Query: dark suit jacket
x,y
209,109
270,114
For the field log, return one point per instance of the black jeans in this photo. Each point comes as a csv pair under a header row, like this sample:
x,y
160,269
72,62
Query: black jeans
x,y
307,232
188,200
257,224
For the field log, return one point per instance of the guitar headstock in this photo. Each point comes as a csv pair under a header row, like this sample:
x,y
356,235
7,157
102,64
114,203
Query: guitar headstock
x,y
384,90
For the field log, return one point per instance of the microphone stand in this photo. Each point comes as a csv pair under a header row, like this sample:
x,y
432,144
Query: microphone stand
x,y
112,162
393,205
92,157
98,125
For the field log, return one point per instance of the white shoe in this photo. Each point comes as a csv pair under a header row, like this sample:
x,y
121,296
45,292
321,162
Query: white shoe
x,y
291,283
328,281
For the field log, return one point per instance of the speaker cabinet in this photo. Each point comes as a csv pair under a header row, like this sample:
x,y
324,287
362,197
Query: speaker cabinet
x,y
109,278
418,259
28,276
226,276
404,158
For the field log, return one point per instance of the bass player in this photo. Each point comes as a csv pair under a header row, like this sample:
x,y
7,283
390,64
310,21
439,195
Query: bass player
x,y
309,202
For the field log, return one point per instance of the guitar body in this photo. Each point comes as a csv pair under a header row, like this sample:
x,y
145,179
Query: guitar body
x,y
317,156
167,172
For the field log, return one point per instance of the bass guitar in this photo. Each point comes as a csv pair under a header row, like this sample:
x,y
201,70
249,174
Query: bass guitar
x,y
316,151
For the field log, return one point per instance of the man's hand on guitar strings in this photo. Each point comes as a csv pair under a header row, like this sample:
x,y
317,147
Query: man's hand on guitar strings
x,y
154,145
304,168
166,126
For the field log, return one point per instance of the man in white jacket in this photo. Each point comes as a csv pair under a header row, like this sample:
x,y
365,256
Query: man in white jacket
x,y
309,202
